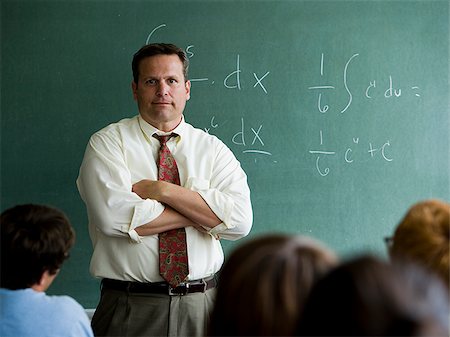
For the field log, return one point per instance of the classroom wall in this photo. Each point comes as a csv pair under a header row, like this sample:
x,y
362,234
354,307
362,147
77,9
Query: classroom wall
x,y
337,110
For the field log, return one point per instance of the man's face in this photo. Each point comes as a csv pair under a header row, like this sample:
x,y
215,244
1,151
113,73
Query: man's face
x,y
161,92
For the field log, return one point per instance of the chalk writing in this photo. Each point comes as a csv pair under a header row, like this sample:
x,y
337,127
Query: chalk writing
x,y
348,154
153,31
236,72
258,81
214,125
350,96
237,76
233,81
325,108
250,138
239,138
390,91
243,135
189,53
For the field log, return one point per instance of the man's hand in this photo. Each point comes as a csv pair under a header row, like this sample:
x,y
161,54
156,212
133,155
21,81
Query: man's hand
x,y
149,189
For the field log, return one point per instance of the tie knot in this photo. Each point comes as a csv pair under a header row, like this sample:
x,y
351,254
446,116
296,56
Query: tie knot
x,y
163,139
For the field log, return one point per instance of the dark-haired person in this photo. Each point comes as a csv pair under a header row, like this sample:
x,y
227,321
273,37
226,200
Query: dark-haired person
x,y
35,241
264,283
423,236
366,296
160,194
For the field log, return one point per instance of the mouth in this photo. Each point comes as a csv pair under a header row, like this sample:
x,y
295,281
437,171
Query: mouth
x,y
162,103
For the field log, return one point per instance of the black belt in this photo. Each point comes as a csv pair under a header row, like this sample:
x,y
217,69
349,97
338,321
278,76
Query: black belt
x,y
184,288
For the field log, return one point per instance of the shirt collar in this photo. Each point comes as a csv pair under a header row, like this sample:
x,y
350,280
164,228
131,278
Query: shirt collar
x,y
149,129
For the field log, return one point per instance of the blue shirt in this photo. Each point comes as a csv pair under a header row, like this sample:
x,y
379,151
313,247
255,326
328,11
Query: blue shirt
x,y
26,312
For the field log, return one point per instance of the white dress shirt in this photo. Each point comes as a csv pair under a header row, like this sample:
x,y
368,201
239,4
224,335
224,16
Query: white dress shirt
x,y
124,153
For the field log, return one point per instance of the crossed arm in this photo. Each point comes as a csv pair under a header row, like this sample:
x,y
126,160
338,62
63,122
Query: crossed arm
x,y
184,207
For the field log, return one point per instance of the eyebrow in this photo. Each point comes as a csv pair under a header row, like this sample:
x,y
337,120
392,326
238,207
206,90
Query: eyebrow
x,y
153,77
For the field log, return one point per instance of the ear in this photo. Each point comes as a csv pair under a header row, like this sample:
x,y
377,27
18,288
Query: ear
x,y
134,88
188,90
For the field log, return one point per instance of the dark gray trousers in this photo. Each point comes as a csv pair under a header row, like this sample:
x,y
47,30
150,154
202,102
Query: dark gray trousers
x,y
130,314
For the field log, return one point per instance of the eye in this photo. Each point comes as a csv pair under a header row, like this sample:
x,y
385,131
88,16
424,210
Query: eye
x,y
150,81
173,81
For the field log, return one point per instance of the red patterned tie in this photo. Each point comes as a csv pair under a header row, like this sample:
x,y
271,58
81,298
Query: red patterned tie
x,y
173,262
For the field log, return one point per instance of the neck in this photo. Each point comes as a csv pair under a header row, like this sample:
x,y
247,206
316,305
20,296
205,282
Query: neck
x,y
38,287
163,126
45,282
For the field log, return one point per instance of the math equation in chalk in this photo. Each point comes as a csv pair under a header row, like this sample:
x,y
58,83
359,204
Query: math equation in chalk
x,y
250,135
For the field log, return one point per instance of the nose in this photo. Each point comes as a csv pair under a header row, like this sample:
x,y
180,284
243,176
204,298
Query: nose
x,y
162,89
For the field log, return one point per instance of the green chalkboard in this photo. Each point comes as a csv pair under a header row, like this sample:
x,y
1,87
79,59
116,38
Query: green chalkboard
x,y
337,110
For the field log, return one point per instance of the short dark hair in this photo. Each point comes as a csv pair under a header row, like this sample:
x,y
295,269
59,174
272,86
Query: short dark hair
x,y
34,239
158,49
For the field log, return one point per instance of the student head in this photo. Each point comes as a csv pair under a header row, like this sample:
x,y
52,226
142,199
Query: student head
x,y
423,237
369,297
35,241
264,283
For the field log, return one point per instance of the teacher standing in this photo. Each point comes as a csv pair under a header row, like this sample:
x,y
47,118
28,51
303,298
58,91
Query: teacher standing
x,y
160,195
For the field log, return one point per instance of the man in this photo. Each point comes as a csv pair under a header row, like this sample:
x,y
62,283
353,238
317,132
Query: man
x,y
142,190
35,241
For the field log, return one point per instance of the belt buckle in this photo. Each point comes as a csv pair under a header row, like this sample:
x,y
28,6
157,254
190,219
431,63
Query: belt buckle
x,y
184,286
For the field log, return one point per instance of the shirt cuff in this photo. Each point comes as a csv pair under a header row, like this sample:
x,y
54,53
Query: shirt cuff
x,y
143,213
215,231
134,236
219,203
